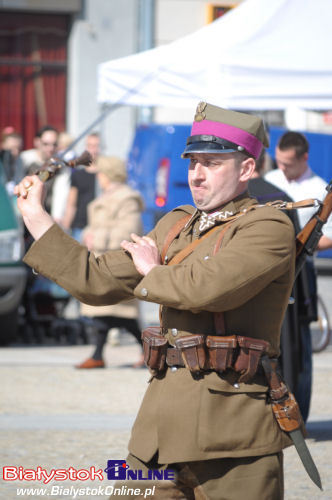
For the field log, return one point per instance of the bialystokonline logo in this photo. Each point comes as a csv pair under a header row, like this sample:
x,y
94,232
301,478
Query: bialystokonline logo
x,y
116,470
120,471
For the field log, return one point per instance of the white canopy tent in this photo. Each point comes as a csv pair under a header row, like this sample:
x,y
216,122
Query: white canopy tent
x,y
264,54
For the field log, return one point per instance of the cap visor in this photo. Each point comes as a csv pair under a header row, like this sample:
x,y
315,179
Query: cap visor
x,y
205,147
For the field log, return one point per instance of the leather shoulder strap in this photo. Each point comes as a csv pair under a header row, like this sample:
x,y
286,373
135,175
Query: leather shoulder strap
x,y
219,317
191,247
221,237
173,233
180,224
175,230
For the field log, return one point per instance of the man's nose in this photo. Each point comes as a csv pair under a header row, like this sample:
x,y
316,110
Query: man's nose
x,y
198,171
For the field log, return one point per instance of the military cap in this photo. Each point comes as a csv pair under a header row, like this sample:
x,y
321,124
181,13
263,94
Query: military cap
x,y
218,130
114,168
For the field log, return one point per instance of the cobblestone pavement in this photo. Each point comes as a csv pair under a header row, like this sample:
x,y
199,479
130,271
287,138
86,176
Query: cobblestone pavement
x,y
55,416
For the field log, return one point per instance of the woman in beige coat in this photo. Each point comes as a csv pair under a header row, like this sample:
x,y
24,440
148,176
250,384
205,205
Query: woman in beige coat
x,y
112,217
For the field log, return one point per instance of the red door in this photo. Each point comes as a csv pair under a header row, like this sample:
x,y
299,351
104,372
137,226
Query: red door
x,y
33,62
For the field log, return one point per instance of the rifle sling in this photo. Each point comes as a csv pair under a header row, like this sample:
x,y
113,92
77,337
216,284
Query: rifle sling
x,y
291,205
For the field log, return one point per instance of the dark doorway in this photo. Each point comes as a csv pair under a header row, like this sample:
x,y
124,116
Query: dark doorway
x,y
33,66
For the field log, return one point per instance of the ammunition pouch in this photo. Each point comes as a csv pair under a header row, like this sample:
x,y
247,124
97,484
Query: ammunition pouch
x,y
193,352
221,351
200,353
154,349
249,355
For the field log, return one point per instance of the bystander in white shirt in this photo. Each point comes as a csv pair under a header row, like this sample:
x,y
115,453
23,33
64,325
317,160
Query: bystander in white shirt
x,y
309,185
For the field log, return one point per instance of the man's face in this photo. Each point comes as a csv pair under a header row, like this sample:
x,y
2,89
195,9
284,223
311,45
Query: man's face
x,y
13,144
291,165
215,179
47,144
93,145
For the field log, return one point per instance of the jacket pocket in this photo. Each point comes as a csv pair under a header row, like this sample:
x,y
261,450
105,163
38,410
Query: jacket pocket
x,y
235,418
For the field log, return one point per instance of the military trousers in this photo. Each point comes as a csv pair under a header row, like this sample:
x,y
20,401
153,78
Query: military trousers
x,y
251,478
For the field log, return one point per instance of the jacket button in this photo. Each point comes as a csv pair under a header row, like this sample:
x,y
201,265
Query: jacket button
x,y
236,385
174,332
206,257
144,292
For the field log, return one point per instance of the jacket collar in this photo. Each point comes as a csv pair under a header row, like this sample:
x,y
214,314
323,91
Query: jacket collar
x,y
222,214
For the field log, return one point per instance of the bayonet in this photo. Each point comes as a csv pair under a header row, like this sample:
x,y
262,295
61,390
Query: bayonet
x,y
287,413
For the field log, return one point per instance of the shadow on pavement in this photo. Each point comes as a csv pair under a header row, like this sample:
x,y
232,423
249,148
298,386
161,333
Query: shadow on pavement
x,y
320,430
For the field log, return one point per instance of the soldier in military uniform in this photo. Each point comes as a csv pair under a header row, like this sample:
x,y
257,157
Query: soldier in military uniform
x,y
222,272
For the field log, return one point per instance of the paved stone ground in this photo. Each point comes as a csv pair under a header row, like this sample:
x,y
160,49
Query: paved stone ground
x,y
55,416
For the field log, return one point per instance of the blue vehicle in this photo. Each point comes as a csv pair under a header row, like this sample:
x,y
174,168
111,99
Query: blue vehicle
x,y
156,169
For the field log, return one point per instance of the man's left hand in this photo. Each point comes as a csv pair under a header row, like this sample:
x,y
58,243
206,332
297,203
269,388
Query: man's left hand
x,y
144,252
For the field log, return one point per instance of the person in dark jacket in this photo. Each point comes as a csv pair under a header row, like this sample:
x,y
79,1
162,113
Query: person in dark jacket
x,y
300,309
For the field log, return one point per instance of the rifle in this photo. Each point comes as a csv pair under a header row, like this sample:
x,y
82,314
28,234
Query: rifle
x,y
307,239
51,167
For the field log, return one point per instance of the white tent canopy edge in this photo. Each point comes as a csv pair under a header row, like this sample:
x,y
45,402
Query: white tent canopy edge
x,y
260,55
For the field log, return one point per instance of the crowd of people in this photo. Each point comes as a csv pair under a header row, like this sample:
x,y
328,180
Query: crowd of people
x,y
94,204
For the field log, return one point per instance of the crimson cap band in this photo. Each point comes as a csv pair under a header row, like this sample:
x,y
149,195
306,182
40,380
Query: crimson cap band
x,y
218,130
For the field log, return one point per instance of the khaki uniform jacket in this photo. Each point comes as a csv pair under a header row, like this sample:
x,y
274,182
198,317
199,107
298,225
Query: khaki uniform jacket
x,y
112,217
249,279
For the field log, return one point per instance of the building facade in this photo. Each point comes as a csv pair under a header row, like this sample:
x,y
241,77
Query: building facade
x,y
50,51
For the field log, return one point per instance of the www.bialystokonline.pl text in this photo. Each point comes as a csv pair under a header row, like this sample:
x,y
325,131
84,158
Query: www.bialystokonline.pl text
x,y
74,492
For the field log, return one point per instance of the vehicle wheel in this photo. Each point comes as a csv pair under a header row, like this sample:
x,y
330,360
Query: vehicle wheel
x,y
9,326
320,329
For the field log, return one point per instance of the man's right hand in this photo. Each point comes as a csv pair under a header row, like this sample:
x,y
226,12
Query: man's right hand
x,y
31,185
30,194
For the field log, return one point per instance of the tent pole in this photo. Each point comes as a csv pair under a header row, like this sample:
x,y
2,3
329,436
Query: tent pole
x,y
108,108
99,119
146,32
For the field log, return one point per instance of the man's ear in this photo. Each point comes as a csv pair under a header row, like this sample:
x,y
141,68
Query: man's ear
x,y
247,169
